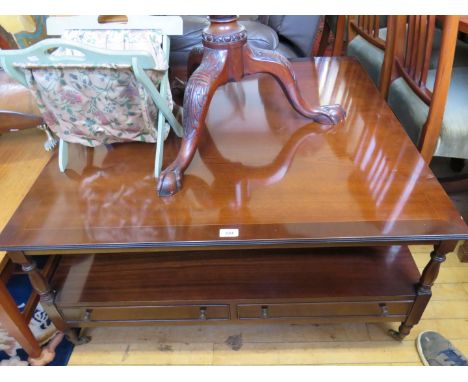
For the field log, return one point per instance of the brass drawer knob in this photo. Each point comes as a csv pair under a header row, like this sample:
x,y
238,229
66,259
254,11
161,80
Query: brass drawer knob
x,y
264,312
202,313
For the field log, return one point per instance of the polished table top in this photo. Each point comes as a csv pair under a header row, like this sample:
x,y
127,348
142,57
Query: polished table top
x,y
261,168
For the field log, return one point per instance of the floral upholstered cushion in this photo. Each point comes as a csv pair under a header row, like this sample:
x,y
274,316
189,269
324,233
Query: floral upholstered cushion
x,y
102,105
94,106
127,39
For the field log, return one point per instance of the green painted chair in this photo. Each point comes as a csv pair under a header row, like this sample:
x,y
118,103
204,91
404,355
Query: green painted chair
x,y
40,65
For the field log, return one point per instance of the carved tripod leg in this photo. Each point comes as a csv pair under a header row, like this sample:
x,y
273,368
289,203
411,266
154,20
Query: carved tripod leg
x,y
267,61
201,86
423,289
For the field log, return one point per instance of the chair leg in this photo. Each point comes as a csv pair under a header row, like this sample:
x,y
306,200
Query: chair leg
x,y
63,155
158,160
178,131
457,164
14,323
324,39
339,36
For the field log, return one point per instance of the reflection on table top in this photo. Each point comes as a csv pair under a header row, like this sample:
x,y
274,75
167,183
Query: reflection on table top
x,y
261,168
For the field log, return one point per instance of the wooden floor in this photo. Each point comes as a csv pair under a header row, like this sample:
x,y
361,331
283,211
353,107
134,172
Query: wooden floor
x,y
348,344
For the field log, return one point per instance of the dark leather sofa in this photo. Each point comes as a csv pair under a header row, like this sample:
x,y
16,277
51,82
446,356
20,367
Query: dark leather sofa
x,y
292,36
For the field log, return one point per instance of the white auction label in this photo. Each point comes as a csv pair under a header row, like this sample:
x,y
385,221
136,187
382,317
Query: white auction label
x,y
228,232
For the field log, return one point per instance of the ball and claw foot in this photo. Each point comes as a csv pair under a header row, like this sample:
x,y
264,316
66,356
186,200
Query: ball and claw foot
x,y
330,114
169,183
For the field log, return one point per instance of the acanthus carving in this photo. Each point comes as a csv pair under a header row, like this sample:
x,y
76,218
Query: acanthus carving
x,y
198,87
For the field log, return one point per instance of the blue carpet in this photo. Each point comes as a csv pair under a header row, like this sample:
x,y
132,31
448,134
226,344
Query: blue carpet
x,y
20,289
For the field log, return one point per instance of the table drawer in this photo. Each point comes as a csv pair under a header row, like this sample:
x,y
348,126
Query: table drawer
x,y
310,310
148,313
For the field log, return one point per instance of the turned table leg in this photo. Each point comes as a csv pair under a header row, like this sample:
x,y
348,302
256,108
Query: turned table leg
x,y
47,297
423,288
15,323
42,287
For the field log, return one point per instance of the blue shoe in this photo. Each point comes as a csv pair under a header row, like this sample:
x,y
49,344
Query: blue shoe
x,y
435,350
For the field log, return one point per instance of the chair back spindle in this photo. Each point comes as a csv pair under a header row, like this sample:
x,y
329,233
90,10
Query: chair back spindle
x,y
414,38
413,55
368,28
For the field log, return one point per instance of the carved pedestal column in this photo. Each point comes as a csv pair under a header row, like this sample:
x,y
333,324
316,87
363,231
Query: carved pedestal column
x,y
225,57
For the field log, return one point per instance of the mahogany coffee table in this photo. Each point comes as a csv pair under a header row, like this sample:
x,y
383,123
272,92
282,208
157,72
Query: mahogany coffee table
x,y
280,218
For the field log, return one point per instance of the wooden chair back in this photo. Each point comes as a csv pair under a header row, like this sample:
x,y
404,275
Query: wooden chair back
x,y
414,52
414,36
366,26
